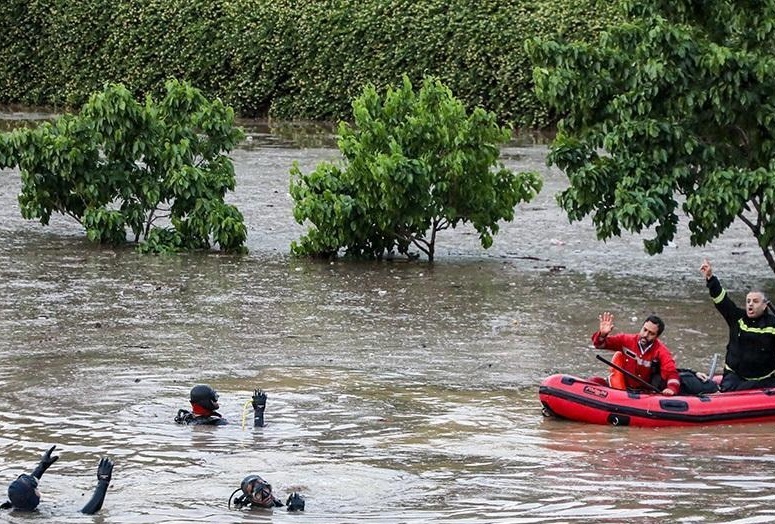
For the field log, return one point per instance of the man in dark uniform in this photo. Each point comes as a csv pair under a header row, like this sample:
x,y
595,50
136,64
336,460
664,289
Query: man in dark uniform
x,y
23,492
750,357
204,403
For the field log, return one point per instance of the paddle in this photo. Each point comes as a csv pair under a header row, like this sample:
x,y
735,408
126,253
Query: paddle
x,y
635,377
713,364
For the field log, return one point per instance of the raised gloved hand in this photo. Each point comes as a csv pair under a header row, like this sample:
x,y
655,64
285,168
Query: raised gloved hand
x,y
295,502
259,404
259,399
45,461
104,474
105,470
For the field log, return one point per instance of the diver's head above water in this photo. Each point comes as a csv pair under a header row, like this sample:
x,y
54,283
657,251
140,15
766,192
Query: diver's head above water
x,y
204,399
23,493
258,491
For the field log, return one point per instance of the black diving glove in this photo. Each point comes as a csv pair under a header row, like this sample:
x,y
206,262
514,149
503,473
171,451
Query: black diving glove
x,y
295,502
104,474
259,399
45,461
105,470
259,405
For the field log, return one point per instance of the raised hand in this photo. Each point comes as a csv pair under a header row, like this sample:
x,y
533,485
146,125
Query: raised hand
x,y
105,470
104,474
606,323
259,399
706,270
295,502
45,462
259,404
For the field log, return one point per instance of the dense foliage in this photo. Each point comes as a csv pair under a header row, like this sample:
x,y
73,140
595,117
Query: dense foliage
x,y
416,163
287,58
155,169
672,111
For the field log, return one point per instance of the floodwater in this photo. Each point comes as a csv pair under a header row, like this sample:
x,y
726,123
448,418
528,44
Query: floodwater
x,y
398,392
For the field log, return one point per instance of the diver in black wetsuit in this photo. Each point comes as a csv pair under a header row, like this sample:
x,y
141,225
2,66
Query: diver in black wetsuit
x,y
204,403
23,492
257,493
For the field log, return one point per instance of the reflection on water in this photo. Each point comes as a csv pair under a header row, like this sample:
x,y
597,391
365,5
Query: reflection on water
x,y
398,392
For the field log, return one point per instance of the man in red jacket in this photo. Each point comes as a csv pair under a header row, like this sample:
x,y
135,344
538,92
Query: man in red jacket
x,y
643,353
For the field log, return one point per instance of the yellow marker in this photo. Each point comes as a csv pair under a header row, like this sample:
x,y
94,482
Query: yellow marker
x,y
244,412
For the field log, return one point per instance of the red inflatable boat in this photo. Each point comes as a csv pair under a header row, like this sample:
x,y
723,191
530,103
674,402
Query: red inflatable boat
x,y
573,398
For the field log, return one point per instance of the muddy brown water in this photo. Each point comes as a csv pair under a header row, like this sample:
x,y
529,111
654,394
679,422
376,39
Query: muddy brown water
x,y
398,392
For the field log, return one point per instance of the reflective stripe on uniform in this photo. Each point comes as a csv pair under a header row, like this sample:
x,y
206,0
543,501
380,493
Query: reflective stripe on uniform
x,y
720,296
760,331
768,375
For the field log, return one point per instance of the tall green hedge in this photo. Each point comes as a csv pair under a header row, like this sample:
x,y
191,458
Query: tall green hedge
x,y
285,58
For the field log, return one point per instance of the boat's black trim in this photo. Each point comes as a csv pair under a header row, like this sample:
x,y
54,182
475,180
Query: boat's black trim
x,y
673,405
655,415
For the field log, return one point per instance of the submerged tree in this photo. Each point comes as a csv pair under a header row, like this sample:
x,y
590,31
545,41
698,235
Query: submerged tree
x,y
158,170
416,163
676,104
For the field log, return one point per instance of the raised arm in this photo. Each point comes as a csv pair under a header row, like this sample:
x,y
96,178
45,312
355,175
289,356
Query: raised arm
x,y
259,405
104,474
45,462
719,295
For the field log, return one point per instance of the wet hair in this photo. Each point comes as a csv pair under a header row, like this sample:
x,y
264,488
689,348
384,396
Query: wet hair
x,y
22,494
658,321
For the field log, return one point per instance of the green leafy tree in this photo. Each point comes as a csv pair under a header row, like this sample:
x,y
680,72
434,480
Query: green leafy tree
x,y
157,170
673,110
416,163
